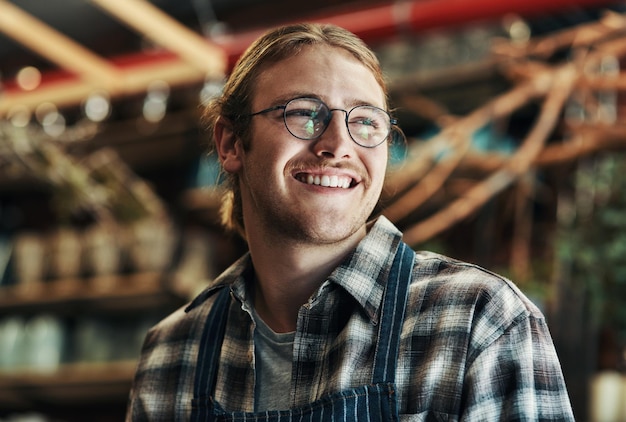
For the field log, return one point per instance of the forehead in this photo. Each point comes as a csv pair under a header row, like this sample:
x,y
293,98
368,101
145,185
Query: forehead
x,y
330,73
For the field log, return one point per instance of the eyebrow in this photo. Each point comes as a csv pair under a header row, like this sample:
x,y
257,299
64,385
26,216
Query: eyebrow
x,y
284,99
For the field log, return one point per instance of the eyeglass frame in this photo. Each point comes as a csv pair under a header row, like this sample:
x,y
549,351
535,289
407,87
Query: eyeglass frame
x,y
392,121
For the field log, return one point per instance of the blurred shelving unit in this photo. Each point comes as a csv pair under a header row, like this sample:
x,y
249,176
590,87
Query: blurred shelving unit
x,y
116,292
79,382
95,322
67,385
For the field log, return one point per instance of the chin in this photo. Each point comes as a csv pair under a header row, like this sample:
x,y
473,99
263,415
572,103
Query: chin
x,y
335,233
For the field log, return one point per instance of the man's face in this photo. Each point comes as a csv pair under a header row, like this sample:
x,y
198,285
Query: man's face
x,y
315,191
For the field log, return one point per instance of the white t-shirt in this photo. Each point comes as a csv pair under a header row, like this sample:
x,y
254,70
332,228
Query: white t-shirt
x,y
274,357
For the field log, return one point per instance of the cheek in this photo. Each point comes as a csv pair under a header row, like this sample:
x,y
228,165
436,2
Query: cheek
x,y
276,155
265,163
378,168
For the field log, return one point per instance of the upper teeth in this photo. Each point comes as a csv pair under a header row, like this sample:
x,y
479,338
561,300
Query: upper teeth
x,y
328,181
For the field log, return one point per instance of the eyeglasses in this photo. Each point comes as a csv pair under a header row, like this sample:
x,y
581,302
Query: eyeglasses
x,y
308,118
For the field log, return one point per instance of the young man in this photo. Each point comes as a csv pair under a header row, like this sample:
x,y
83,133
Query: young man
x,y
330,316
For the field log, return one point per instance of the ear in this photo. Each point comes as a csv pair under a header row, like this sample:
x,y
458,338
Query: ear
x,y
227,145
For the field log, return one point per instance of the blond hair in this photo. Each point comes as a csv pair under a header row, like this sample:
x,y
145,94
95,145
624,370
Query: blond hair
x,y
234,102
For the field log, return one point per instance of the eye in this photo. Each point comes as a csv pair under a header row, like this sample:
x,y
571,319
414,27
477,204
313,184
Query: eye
x,y
304,121
365,121
365,118
311,113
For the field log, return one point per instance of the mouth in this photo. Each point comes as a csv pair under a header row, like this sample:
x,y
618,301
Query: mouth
x,y
327,181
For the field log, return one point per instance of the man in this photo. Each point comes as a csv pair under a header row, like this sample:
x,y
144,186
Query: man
x,y
330,316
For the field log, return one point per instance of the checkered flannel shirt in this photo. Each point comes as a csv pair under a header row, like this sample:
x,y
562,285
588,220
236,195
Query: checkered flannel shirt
x,y
473,347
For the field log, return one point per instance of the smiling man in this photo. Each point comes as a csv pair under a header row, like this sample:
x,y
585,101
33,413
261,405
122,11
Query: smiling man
x,y
330,315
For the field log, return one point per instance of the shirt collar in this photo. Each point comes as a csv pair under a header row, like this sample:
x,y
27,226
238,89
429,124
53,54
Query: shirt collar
x,y
234,276
362,274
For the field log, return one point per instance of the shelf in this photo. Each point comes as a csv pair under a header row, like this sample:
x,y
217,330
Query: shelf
x,y
204,204
69,384
118,292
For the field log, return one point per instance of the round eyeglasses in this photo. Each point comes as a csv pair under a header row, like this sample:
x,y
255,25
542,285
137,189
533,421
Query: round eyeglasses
x,y
308,118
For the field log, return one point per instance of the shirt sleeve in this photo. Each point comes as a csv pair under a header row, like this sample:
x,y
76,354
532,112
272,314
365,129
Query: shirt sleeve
x,y
165,367
517,376
478,349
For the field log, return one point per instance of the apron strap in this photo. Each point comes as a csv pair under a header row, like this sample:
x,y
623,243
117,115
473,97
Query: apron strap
x,y
207,366
392,315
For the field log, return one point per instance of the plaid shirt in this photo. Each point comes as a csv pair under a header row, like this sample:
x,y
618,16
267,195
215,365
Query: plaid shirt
x,y
473,347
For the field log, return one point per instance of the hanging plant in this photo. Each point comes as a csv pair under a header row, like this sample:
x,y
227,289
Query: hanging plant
x,y
592,238
100,184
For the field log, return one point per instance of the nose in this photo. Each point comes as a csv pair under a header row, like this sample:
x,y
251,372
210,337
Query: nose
x,y
335,142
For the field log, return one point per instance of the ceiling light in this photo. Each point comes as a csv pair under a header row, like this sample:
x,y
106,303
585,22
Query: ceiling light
x,y
155,104
97,107
53,124
28,78
19,116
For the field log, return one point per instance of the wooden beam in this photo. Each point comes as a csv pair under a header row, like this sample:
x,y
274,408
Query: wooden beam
x,y
134,81
56,47
168,33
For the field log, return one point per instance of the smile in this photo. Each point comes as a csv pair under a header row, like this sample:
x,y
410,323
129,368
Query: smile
x,y
328,181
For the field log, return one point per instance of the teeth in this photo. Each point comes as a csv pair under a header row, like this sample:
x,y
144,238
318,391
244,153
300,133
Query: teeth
x,y
333,181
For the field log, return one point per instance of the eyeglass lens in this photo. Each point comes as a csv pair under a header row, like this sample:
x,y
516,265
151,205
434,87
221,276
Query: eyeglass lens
x,y
308,118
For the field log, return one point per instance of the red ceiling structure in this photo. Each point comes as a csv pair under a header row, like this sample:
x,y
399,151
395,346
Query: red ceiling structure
x,y
186,57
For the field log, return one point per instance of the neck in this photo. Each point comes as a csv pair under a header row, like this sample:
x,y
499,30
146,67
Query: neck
x,y
289,272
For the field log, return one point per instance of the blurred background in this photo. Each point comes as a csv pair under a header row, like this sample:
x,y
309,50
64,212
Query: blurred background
x,y
515,160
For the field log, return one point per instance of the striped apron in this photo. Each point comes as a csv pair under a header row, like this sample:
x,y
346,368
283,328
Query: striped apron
x,y
374,402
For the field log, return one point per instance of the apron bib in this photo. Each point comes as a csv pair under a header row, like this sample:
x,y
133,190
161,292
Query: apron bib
x,y
375,402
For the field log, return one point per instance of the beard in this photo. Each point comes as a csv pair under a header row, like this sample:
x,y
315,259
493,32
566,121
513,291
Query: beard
x,y
321,220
